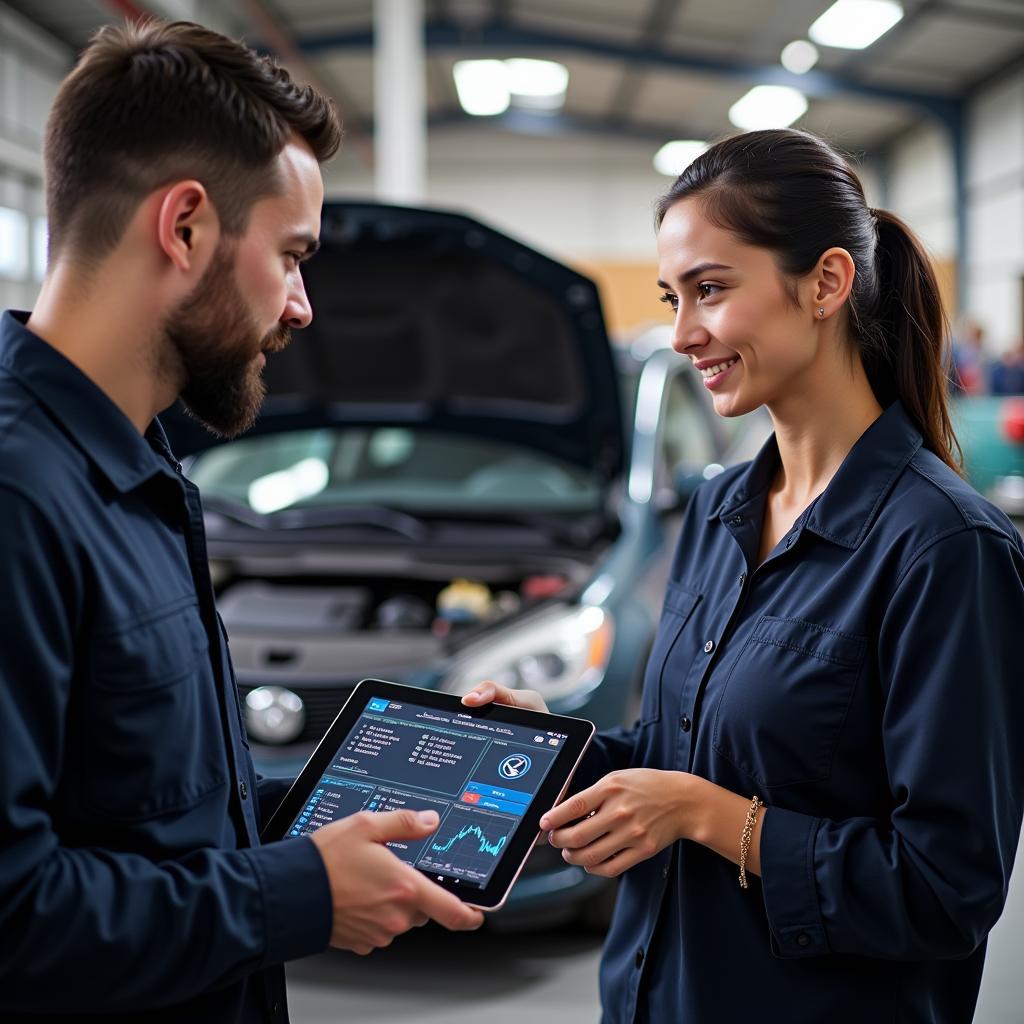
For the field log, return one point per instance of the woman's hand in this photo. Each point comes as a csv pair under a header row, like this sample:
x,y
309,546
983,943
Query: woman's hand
x,y
626,817
491,693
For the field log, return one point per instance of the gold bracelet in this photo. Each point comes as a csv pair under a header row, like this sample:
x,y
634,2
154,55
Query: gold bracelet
x,y
745,837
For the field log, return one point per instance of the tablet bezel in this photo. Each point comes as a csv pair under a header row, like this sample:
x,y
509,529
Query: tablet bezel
x,y
578,731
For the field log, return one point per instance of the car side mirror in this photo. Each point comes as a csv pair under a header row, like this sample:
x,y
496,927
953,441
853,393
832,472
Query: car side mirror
x,y
686,478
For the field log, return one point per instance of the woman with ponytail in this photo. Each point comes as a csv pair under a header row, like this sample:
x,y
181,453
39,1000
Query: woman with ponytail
x,y
815,817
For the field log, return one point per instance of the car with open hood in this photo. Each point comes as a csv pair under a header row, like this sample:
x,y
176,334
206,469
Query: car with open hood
x,y
453,478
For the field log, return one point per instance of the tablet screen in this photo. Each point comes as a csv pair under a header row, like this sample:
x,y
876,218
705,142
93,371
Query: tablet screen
x,y
480,776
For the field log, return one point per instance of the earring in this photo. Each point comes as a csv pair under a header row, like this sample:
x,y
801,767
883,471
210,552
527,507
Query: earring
x,y
821,311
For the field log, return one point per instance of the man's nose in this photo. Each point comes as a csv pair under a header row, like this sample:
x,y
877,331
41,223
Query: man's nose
x,y
297,311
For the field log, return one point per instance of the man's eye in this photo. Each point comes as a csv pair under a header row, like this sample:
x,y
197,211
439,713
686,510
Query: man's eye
x,y
670,299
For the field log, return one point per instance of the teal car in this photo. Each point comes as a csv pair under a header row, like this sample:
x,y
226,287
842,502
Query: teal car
x,y
990,429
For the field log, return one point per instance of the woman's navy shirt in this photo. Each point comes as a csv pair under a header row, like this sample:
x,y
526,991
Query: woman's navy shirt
x,y
867,683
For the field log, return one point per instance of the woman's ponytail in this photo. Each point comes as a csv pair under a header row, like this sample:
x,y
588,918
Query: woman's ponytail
x,y
906,356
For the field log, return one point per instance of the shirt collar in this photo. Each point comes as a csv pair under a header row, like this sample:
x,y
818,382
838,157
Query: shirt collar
x,y
846,508
84,411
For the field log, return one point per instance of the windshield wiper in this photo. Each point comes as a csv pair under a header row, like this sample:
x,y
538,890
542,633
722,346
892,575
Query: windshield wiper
x,y
378,516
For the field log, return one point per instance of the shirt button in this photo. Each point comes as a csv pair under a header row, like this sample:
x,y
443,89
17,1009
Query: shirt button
x,y
736,521
803,939
664,871
243,789
639,959
685,723
743,578
709,646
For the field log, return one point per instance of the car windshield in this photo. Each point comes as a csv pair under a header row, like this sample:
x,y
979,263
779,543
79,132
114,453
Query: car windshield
x,y
398,467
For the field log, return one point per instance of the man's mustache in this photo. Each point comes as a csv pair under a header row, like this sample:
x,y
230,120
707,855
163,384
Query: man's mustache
x,y
277,339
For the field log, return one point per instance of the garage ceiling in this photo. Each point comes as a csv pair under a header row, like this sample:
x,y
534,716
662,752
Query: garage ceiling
x,y
650,69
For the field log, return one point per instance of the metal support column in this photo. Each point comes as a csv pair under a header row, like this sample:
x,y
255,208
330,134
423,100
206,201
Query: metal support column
x,y
400,102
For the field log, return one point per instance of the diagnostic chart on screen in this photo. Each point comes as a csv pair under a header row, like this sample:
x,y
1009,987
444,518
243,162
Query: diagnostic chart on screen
x,y
480,776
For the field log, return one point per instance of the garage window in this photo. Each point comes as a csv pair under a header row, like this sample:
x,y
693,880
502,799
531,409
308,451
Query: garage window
x,y
13,244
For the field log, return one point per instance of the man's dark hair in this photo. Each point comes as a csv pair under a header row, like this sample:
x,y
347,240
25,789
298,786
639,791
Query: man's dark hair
x,y
157,102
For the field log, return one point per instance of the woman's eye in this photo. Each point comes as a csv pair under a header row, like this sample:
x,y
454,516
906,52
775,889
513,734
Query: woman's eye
x,y
706,289
670,299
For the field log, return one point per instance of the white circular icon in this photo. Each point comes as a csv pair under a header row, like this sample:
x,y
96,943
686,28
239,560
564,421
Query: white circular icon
x,y
514,766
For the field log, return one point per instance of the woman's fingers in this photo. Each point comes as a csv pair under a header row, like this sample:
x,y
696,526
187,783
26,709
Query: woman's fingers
x,y
489,692
594,854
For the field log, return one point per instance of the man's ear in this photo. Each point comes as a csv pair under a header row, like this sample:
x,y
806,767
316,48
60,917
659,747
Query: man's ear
x,y
832,282
188,228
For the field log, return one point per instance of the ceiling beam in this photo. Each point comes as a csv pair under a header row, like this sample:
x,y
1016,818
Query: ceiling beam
x,y
442,35
660,16
539,125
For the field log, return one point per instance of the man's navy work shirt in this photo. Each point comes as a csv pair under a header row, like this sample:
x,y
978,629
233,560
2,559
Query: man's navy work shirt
x,y
867,683
131,876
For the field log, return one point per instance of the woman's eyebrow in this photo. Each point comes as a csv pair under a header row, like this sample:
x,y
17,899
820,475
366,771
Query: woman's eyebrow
x,y
701,268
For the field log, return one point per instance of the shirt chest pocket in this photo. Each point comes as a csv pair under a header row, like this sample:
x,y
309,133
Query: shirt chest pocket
x,y
676,614
784,702
153,729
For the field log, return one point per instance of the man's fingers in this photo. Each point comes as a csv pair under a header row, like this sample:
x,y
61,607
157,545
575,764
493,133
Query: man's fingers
x,y
446,909
576,807
389,825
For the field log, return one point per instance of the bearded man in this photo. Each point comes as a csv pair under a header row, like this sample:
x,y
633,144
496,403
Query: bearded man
x,y
183,194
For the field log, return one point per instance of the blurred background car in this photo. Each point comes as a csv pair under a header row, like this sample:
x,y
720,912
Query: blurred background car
x,y
454,478
990,429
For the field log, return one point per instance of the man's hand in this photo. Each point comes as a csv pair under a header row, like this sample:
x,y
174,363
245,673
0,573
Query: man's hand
x,y
492,693
375,895
622,820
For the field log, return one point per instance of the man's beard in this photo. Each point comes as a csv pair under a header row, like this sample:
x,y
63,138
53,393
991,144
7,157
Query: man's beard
x,y
216,341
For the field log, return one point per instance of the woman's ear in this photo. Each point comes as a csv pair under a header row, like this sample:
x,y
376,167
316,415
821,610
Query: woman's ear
x,y
832,280
187,226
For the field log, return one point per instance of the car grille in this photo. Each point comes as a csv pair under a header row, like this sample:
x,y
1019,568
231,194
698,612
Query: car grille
x,y
322,705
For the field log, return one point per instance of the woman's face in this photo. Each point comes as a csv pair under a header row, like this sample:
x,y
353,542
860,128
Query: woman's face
x,y
734,319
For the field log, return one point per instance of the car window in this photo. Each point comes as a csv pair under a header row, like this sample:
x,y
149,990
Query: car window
x,y
689,436
394,466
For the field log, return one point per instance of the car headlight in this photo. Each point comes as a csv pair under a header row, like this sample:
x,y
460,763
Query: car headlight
x,y
274,715
560,653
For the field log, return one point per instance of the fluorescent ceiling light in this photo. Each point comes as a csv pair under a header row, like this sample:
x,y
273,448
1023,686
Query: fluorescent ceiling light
x,y
855,24
799,57
674,157
482,86
539,84
768,106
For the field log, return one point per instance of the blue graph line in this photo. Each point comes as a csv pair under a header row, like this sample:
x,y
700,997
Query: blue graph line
x,y
469,830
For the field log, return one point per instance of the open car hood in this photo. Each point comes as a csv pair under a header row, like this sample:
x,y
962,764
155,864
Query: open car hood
x,y
429,318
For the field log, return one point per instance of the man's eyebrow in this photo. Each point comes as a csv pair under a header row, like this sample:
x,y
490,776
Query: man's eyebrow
x,y
701,268
309,242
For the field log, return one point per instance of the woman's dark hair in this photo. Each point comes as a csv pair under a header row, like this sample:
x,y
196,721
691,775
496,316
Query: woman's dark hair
x,y
789,192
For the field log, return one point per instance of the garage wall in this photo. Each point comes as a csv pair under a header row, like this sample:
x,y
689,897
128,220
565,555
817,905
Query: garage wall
x,y
31,67
995,270
920,188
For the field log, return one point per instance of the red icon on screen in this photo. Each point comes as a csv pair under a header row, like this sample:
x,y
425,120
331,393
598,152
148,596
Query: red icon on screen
x,y
471,798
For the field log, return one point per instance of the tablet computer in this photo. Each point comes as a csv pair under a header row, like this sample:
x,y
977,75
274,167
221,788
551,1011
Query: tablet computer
x,y
489,772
